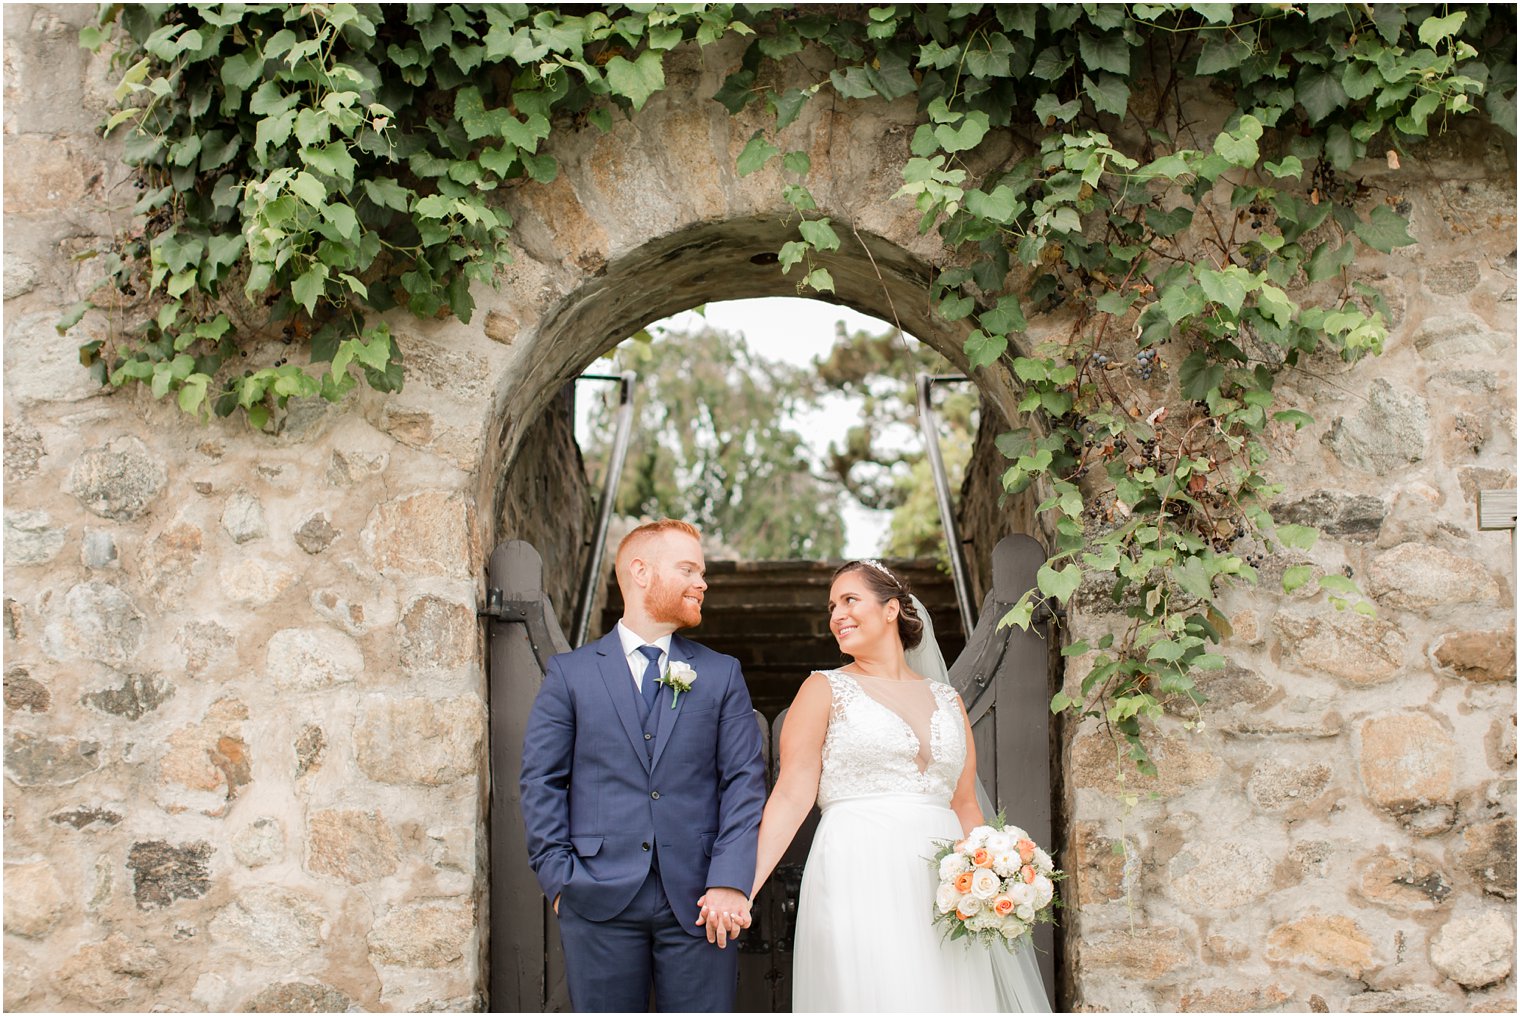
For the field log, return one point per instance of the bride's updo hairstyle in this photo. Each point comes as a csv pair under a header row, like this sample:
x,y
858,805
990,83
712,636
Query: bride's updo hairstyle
x,y
886,586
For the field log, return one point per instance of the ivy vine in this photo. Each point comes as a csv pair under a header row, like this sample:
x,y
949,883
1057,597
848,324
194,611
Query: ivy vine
x,y
305,166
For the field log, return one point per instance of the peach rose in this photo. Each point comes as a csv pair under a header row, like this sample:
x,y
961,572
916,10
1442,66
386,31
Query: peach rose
x,y
1026,849
1002,906
1027,873
982,858
962,882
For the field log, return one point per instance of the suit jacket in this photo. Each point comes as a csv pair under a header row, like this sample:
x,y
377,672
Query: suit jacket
x,y
598,808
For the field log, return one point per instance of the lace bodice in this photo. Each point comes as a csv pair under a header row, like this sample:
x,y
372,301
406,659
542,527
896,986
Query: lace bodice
x,y
871,749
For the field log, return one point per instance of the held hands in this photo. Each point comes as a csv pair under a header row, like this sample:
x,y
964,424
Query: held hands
x,y
724,913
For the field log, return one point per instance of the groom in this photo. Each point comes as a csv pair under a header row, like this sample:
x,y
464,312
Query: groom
x,y
642,788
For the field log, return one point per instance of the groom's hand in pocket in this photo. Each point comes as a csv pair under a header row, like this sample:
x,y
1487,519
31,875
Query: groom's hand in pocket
x,y
723,912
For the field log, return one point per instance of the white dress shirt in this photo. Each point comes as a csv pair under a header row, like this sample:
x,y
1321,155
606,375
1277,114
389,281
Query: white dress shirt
x,y
637,661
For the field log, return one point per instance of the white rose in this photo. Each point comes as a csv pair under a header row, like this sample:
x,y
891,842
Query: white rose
x,y
946,898
1005,862
952,865
977,838
1042,861
999,842
969,905
1015,834
985,884
1043,891
1025,913
1021,894
1012,927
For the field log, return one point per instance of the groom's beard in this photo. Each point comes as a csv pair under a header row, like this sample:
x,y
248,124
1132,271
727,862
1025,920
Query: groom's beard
x,y
666,604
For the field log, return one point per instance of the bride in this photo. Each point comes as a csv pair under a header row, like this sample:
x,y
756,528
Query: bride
x,y
888,756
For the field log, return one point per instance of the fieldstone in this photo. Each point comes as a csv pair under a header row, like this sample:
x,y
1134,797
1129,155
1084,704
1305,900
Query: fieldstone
x,y
98,549
1400,1000
29,539
310,745
1388,433
354,846
260,842
427,533
210,755
1276,783
1159,950
1220,874
305,659
254,582
85,816
41,367
1311,858
305,419
271,924
203,643
1452,278
1488,855
1407,761
1267,999
1429,820
1475,948
1402,881
353,618
1449,337
1352,516
1245,627
316,534
138,695
345,468
1330,944
96,621
22,691
1414,576
109,974
1359,650
1475,478
1478,656
1230,689
428,935
163,873
169,561
22,450
1182,762
437,634
35,761
1298,718
119,481
34,901
243,517
20,276
299,996
1100,874
428,742
501,327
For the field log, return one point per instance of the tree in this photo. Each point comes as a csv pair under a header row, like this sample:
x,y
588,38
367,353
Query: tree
x,y
712,444
882,463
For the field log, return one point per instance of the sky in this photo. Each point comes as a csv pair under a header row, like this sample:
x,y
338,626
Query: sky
x,y
795,331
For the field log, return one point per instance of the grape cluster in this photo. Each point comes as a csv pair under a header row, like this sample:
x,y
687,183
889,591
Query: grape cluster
x,y
1100,359
1145,363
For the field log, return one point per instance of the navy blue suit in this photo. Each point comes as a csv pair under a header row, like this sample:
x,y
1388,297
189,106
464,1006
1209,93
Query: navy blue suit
x,y
628,825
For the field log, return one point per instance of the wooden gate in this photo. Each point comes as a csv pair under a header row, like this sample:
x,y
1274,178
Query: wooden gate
x,y
1002,676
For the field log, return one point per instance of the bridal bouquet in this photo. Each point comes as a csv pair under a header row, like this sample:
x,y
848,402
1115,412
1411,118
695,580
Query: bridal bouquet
x,y
996,884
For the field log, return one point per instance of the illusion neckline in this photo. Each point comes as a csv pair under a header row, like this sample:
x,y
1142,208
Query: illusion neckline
x,y
877,677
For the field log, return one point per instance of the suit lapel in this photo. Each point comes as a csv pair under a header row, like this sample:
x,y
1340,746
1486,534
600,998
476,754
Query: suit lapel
x,y
680,649
613,667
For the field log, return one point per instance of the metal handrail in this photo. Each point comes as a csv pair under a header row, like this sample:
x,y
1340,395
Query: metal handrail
x,y
927,422
592,575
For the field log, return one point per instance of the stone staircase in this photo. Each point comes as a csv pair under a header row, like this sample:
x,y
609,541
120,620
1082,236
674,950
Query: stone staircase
x,y
772,616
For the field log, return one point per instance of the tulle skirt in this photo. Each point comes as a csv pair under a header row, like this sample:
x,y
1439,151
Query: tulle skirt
x,y
866,941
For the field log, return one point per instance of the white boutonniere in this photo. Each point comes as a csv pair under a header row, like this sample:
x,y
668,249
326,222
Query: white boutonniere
x,y
679,677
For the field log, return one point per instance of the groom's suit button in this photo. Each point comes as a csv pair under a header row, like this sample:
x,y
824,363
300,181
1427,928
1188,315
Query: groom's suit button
x,y
655,794
644,846
649,737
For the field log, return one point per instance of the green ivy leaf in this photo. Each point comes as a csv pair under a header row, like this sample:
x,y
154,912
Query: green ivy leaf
x,y
968,135
636,80
1105,52
1227,287
819,234
819,280
1198,377
1296,576
1059,582
1320,93
1297,537
1297,417
309,285
982,349
756,154
1434,30
1384,230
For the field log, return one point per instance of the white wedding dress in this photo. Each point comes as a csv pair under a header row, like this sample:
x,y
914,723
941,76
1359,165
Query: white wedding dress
x,y
865,939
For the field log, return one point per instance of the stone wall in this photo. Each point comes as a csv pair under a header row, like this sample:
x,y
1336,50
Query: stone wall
x,y
245,744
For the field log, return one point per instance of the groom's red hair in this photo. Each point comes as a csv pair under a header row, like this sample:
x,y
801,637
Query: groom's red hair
x,y
641,533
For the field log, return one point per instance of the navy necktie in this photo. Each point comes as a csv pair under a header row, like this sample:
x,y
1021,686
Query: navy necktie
x,y
650,687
